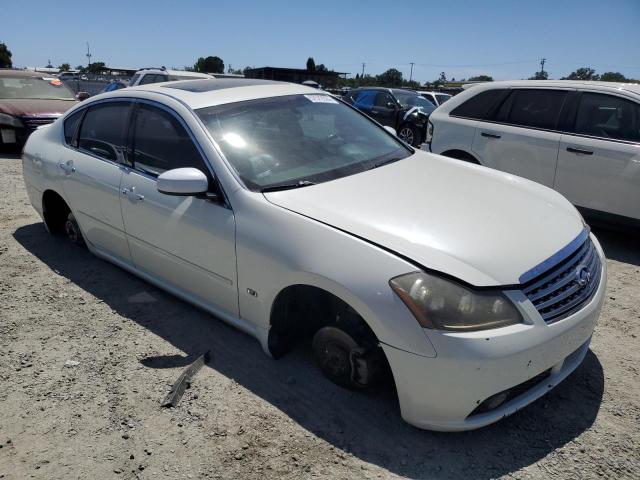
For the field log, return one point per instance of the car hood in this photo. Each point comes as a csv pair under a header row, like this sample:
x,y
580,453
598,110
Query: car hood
x,y
479,225
35,107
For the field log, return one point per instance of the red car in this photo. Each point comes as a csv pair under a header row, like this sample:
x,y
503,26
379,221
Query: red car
x,y
28,100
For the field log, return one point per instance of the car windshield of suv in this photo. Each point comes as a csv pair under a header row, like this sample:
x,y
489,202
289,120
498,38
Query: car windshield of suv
x,y
298,140
409,100
34,88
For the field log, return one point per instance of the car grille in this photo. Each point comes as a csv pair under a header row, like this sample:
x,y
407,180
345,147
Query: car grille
x,y
567,286
34,122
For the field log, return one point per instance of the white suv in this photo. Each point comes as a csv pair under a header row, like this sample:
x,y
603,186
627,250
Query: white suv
x,y
580,138
435,97
157,75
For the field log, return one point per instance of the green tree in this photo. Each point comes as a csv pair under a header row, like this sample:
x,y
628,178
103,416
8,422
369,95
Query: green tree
x,y
613,77
65,67
96,67
390,78
541,75
209,65
321,68
479,78
5,57
311,65
584,73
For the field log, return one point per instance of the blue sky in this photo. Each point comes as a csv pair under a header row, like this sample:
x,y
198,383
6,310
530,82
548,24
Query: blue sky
x,y
505,39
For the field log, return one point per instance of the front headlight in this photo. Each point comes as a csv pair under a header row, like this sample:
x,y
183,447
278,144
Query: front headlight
x,y
10,121
444,305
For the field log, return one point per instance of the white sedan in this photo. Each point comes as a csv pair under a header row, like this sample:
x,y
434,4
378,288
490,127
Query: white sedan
x,y
294,217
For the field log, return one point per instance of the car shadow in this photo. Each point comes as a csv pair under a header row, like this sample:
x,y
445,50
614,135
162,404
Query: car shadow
x,y
367,425
620,245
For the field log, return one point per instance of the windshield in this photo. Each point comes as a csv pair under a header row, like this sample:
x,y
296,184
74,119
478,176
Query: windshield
x,y
408,100
297,139
34,88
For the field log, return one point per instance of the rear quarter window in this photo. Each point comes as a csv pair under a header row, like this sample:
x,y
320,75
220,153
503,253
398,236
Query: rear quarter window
x,y
479,106
71,127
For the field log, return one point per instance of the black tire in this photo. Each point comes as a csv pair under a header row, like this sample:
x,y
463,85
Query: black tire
x,y
410,134
332,352
72,230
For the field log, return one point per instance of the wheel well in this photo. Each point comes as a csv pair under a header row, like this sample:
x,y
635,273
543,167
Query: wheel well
x,y
55,211
299,311
461,155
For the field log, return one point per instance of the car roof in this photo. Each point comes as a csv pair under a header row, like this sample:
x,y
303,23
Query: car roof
x,y
23,73
632,87
210,92
183,73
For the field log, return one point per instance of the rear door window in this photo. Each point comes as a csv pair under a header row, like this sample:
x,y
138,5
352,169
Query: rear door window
x,y
480,105
608,116
366,99
161,143
103,130
536,108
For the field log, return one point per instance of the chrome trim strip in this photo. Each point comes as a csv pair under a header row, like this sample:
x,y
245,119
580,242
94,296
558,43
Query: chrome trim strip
x,y
555,258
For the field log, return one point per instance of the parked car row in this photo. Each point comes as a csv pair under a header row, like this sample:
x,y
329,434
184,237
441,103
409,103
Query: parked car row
x,y
298,218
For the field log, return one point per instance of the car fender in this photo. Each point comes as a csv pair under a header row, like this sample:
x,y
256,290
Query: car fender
x,y
273,245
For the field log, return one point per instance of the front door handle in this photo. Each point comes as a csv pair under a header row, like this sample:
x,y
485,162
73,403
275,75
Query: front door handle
x,y
131,193
579,151
490,135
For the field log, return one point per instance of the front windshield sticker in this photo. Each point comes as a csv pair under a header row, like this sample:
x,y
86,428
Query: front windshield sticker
x,y
321,98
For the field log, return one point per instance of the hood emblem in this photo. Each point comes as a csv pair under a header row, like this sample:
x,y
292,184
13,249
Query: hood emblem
x,y
583,275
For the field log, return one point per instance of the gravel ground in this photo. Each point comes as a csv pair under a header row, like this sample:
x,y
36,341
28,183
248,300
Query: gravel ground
x,y
88,351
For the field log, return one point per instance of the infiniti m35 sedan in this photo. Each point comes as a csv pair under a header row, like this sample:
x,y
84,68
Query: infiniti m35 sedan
x,y
296,218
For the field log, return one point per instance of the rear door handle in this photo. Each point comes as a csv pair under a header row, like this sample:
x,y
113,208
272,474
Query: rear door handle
x,y
68,167
579,151
489,135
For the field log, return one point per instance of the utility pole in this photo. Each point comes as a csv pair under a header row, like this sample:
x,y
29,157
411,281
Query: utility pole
x,y
411,74
363,64
542,62
88,57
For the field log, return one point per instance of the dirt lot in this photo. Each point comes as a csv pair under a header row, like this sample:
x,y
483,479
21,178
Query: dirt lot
x,y
88,351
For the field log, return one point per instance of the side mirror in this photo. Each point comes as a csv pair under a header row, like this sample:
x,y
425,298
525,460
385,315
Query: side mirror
x,y
391,105
391,130
81,96
183,182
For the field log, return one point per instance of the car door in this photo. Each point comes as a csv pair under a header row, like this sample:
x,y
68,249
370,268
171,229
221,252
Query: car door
x,y
92,172
384,109
187,242
599,160
522,136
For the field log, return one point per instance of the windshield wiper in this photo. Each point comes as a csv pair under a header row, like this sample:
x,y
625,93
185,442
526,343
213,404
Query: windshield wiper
x,y
287,186
385,162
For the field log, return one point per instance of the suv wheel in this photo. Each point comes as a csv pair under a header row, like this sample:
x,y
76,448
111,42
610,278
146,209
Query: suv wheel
x,y
409,134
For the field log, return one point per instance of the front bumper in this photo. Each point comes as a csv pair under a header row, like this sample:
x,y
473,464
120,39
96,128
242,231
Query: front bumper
x,y
441,393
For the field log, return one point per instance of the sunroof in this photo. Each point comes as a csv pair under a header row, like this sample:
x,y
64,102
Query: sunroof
x,y
199,86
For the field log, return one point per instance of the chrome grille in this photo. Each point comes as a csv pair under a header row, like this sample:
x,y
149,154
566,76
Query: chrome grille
x,y
35,122
568,285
